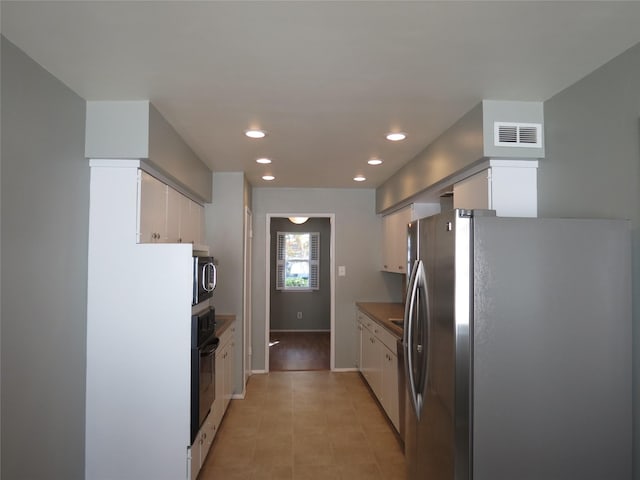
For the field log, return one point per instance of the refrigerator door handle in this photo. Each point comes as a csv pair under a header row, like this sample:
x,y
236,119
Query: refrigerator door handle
x,y
409,321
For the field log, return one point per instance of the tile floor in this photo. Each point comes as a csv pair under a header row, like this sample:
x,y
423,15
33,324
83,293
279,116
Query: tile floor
x,y
305,426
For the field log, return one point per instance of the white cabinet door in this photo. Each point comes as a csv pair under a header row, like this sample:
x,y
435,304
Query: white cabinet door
x,y
372,362
359,329
473,192
197,219
152,209
196,457
185,228
509,188
218,404
191,221
394,240
208,432
390,386
229,368
166,215
174,199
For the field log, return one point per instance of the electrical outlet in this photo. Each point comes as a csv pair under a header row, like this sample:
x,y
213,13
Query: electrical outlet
x,y
299,315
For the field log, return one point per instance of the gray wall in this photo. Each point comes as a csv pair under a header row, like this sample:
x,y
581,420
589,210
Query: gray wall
x,y
45,215
462,145
136,129
358,232
592,167
168,151
315,305
224,233
442,158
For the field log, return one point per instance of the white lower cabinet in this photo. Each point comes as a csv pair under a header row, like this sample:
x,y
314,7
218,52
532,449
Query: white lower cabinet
x,y
224,391
372,362
390,386
224,374
201,445
196,458
379,365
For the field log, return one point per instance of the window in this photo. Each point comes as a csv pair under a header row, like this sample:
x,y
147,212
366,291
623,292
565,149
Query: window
x,y
297,261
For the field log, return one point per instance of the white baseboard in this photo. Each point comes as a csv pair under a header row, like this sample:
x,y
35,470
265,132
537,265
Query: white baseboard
x,y
345,369
258,372
237,396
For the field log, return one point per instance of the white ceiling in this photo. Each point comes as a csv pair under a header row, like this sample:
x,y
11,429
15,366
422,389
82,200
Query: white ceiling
x,y
326,79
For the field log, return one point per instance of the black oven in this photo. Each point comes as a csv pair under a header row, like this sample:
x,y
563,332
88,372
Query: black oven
x,y
203,367
205,278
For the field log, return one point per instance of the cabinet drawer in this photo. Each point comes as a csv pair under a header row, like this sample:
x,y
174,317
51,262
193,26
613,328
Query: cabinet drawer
x,y
386,337
382,334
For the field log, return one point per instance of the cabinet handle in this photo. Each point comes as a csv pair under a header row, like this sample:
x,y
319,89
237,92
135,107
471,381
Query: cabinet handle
x,y
400,267
385,266
180,240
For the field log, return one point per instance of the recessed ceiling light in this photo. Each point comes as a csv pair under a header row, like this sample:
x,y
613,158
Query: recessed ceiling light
x,y
255,133
263,160
396,136
359,178
268,178
374,161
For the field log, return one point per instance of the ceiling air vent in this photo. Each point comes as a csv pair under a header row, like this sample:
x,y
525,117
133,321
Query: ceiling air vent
x,y
507,134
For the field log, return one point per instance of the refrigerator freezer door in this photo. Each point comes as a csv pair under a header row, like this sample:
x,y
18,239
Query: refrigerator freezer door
x,y
431,448
552,349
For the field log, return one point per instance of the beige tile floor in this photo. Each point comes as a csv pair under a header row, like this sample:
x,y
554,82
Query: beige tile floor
x,y
305,426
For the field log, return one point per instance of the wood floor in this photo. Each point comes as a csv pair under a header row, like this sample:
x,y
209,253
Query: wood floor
x,y
299,351
305,426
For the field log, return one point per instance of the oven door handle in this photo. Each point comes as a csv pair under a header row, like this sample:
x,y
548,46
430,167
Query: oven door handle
x,y
209,349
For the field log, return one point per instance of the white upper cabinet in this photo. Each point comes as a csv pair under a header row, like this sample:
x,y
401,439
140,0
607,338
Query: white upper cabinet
x,y
152,209
508,187
165,215
191,221
394,241
174,202
394,234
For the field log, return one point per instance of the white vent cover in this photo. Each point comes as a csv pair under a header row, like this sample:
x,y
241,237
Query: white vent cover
x,y
509,134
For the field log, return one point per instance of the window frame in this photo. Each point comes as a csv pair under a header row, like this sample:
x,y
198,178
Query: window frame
x,y
313,261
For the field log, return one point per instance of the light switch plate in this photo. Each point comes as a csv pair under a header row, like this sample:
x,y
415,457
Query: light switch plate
x,y
342,271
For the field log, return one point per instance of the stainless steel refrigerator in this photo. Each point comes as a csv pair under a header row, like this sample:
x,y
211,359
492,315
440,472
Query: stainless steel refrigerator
x,y
517,347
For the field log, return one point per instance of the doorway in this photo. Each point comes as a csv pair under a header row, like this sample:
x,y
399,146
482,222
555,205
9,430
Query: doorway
x,y
300,293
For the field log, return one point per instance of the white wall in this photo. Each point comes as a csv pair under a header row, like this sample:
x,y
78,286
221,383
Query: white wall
x,y
45,223
592,167
358,232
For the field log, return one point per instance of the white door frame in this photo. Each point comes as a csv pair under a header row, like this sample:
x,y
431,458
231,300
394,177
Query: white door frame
x,y
246,301
332,218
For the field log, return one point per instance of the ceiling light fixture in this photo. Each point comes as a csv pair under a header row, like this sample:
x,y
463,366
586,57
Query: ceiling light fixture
x,y
264,161
396,136
298,220
268,178
359,178
374,161
255,133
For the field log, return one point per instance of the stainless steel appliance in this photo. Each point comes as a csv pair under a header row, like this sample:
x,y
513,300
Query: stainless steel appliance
x,y
518,348
205,278
203,370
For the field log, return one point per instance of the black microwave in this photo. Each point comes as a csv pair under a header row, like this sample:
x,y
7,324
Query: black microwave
x,y
205,278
